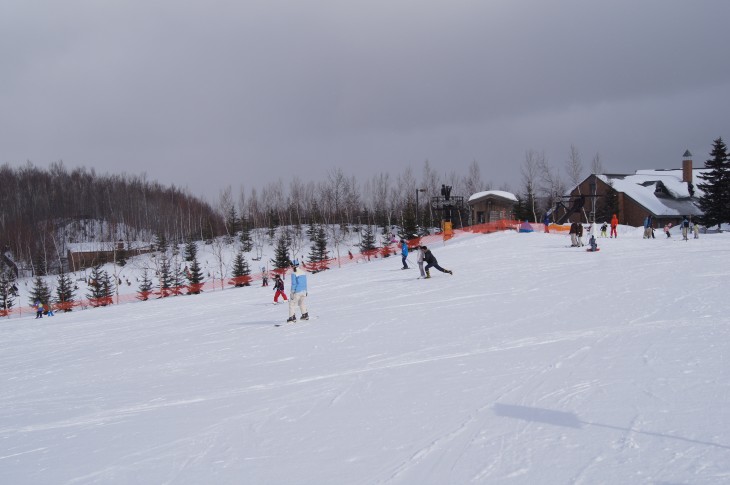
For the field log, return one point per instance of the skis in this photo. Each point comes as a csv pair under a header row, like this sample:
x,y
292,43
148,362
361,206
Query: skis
x,y
297,322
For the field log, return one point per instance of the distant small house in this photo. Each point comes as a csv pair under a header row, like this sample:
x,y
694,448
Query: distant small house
x,y
491,206
88,255
666,195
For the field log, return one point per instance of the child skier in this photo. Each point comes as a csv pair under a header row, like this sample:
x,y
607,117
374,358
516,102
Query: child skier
x,y
593,244
279,288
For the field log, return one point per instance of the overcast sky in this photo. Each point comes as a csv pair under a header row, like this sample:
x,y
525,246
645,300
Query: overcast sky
x,y
205,94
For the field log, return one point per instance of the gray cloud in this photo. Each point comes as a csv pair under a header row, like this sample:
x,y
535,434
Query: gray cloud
x,y
206,94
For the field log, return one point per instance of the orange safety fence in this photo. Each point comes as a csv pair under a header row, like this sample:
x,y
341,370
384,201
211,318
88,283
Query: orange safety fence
x,y
388,250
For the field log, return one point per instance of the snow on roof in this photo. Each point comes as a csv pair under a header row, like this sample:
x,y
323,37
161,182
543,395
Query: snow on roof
x,y
497,193
642,187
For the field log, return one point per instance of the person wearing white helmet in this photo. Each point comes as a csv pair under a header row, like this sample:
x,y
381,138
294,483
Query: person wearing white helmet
x,y
298,293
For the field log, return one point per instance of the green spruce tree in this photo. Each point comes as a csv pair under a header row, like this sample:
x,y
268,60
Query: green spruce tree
x,y
367,243
7,299
39,292
246,239
65,297
97,287
195,278
241,271
281,253
318,254
715,202
191,250
165,276
409,229
145,287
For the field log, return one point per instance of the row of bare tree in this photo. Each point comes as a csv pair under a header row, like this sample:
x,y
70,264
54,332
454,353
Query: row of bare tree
x,y
39,209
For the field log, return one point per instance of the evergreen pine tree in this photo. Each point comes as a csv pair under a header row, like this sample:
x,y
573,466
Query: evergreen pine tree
x,y
191,250
231,221
166,278
145,287
241,271
6,294
65,297
96,294
281,253
40,292
409,229
161,242
521,209
367,243
178,279
246,240
715,203
318,253
107,289
195,278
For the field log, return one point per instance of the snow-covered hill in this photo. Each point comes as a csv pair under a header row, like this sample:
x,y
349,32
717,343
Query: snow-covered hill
x,y
533,363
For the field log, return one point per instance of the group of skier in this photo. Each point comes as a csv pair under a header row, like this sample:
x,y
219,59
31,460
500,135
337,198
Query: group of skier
x,y
423,255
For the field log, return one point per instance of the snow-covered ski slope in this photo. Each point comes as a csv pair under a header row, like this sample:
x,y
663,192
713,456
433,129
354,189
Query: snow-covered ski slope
x,y
534,363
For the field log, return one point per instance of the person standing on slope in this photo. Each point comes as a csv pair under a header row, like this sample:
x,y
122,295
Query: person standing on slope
x,y
614,225
279,288
298,293
404,253
432,263
420,251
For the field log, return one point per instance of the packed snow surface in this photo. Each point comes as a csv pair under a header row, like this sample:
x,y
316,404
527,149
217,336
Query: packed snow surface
x,y
533,363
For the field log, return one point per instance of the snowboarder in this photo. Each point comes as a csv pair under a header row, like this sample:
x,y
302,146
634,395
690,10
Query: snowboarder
x,y
404,253
432,263
279,288
298,293
38,309
667,228
614,225
604,227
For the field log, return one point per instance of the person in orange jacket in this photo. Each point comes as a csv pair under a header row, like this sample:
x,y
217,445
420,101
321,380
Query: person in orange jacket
x,y
614,225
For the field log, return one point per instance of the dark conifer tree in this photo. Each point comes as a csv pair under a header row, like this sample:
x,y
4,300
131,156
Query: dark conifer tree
x,y
39,292
145,287
178,279
191,250
107,289
97,290
7,299
241,271
367,243
195,277
166,277
318,253
65,297
246,240
161,242
521,209
715,203
281,253
409,229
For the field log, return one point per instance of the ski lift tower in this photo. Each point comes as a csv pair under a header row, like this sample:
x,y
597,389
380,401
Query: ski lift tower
x,y
449,208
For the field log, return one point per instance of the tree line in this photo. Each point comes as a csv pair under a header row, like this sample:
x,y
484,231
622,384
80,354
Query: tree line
x,y
40,210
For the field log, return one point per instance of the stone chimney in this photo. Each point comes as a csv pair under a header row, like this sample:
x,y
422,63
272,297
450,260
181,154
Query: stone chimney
x,y
687,167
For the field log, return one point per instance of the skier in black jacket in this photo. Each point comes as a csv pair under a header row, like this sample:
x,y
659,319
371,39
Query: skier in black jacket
x,y
431,262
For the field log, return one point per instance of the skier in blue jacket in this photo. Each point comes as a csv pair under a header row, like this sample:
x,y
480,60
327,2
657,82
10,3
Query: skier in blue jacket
x,y
298,293
404,252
